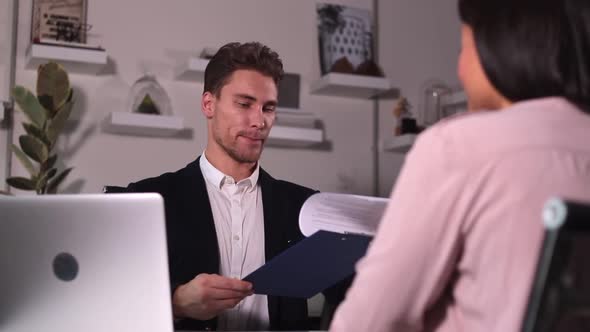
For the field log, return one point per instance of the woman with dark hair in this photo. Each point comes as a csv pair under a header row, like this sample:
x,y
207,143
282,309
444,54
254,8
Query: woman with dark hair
x,y
458,245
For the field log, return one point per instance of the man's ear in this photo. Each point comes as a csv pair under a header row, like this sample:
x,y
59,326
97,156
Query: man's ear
x,y
208,104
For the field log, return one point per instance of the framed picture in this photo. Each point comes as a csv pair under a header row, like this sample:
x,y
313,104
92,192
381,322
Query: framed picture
x,y
289,91
345,37
59,21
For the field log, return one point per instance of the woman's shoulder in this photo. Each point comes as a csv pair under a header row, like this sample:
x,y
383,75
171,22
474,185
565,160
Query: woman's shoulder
x,y
482,134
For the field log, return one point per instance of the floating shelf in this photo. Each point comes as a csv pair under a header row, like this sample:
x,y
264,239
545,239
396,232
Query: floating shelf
x,y
350,85
143,124
192,69
400,144
75,60
294,136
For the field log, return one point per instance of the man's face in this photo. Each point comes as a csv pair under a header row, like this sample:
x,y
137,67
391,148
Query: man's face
x,y
242,115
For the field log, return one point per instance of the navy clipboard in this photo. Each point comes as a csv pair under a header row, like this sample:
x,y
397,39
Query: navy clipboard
x,y
310,266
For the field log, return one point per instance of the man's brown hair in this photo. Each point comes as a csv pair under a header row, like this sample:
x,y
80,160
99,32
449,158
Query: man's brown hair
x,y
233,56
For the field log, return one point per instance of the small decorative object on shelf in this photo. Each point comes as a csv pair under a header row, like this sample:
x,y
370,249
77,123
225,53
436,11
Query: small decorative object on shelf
x,y
432,102
47,113
147,96
288,94
149,112
405,122
343,66
441,101
147,106
369,68
346,40
60,22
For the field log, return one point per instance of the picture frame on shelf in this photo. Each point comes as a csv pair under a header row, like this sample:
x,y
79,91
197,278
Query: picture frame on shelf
x,y
288,94
345,36
60,22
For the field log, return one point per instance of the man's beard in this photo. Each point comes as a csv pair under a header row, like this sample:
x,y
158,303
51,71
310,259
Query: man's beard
x,y
239,156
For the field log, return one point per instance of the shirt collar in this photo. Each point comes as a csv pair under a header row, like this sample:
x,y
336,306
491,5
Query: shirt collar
x,y
218,179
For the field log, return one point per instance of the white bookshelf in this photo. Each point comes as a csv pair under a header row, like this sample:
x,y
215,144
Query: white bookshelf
x,y
350,85
399,144
75,60
193,69
143,124
285,136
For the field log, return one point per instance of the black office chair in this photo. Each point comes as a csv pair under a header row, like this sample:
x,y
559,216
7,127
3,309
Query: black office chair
x,y
114,190
560,297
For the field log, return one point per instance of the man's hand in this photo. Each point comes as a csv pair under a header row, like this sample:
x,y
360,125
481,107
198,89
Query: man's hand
x,y
207,295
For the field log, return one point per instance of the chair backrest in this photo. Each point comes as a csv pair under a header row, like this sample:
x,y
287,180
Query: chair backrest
x,y
114,190
560,297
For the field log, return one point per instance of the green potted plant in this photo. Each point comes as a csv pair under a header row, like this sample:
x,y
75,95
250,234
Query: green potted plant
x,y
47,114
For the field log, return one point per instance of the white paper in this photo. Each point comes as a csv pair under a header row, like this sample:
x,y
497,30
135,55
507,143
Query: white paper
x,y
341,213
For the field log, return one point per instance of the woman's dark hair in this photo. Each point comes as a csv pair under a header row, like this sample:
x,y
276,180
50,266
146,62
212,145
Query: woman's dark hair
x,y
533,48
234,56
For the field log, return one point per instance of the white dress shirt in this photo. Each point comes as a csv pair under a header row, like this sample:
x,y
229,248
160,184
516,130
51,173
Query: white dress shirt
x,y
239,224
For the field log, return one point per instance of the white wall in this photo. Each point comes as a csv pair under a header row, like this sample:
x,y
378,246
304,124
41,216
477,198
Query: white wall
x,y
418,40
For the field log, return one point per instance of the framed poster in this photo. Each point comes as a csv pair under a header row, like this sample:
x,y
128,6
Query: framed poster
x,y
59,21
345,37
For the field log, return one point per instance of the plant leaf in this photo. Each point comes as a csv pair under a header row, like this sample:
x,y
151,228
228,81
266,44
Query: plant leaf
x,y
47,102
70,95
21,183
57,124
34,148
29,104
24,159
41,185
53,80
51,173
52,187
49,162
37,133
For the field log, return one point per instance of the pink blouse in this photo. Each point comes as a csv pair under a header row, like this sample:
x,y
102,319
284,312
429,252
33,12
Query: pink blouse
x,y
457,247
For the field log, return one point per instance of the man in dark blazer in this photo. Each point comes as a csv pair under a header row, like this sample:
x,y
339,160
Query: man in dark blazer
x,y
202,208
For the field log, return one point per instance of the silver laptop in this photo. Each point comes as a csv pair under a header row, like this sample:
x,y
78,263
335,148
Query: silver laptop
x,y
84,263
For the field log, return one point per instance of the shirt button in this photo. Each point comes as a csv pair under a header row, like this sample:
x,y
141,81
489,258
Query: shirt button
x,y
236,237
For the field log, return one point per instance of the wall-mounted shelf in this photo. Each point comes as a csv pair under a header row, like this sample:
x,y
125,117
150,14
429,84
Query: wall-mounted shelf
x,y
75,60
143,124
284,136
350,85
193,69
399,144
